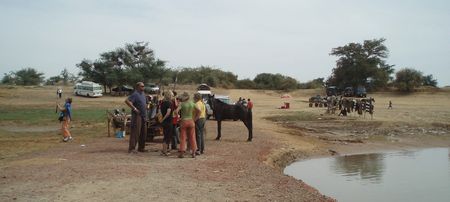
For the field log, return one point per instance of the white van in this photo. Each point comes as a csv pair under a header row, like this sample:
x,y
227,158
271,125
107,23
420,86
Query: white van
x,y
88,88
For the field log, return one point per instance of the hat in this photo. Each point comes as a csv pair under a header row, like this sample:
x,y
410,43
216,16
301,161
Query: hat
x,y
197,96
184,97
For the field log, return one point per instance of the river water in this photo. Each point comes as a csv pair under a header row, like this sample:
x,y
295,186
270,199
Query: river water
x,y
422,175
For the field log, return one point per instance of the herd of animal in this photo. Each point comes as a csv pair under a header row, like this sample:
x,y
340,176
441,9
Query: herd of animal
x,y
344,105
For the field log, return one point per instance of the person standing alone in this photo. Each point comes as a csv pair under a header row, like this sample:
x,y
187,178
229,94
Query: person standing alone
x,y
59,93
138,104
390,104
66,115
250,115
249,105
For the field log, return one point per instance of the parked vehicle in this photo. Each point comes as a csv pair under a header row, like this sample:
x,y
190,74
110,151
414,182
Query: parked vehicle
x,y
361,91
88,88
205,95
317,101
122,90
348,92
151,88
205,92
224,98
332,90
203,87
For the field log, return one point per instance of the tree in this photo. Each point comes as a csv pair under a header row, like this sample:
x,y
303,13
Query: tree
x,y
429,81
360,63
315,83
211,76
26,76
275,82
9,78
53,80
245,84
407,79
127,65
65,75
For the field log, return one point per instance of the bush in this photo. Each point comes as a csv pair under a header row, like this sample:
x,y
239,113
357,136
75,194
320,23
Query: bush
x,y
408,79
245,84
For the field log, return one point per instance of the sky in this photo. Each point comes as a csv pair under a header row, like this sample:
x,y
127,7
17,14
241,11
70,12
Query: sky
x,y
246,37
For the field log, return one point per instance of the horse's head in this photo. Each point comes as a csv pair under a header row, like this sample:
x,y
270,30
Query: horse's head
x,y
210,101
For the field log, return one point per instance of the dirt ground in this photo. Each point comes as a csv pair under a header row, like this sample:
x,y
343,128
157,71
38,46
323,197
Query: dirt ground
x,y
100,169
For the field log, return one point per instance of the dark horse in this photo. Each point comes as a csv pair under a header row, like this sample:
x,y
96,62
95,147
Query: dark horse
x,y
223,111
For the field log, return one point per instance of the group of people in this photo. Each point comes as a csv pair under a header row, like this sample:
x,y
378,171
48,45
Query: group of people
x,y
175,110
248,103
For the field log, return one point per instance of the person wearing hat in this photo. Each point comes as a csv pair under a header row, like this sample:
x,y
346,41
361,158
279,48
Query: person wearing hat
x,y
200,124
188,113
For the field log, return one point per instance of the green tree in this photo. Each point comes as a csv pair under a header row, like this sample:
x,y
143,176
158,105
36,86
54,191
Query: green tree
x,y
245,84
275,82
315,83
86,70
65,75
428,80
407,79
127,65
53,80
360,63
28,76
9,78
211,76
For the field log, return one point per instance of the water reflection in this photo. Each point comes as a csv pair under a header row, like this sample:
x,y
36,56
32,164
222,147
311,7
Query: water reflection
x,y
422,175
365,166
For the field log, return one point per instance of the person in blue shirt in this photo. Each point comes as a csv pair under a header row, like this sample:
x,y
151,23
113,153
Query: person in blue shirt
x,y
66,114
138,104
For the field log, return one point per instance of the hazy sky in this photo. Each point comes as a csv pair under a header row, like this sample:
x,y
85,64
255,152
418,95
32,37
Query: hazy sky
x,y
246,37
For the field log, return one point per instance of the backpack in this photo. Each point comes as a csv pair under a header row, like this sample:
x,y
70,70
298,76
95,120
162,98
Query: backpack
x,y
61,116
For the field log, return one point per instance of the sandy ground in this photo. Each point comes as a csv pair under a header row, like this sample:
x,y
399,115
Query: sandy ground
x,y
231,169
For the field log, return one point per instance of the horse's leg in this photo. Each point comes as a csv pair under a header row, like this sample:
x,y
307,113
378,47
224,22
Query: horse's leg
x,y
219,128
249,126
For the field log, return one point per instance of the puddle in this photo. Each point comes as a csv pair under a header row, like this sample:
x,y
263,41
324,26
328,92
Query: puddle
x,y
422,175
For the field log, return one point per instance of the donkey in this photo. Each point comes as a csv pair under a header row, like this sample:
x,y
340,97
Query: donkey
x,y
223,111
